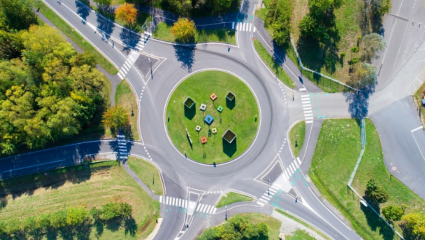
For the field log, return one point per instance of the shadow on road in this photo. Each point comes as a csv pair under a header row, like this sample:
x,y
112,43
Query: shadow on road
x,y
185,55
82,10
104,24
129,38
358,101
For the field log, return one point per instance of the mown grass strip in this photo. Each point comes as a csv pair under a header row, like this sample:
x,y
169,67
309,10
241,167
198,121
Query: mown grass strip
x,y
273,64
297,135
75,37
148,173
232,197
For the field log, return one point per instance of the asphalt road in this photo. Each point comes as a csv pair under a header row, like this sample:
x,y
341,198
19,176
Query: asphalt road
x,y
186,180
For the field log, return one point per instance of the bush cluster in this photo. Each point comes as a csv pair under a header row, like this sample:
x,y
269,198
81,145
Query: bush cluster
x,y
69,220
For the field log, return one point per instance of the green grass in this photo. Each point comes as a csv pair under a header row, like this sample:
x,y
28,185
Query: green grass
x,y
296,135
418,97
75,37
163,32
240,115
302,223
144,170
273,65
272,223
300,235
335,156
89,185
125,97
232,197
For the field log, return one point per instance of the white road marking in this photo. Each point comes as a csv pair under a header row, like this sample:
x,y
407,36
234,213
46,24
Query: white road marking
x,y
160,199
416,129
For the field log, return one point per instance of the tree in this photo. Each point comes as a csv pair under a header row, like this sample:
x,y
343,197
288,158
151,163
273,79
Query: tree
x,y
415,223
281,22
392,213
184,30
10,45
126,12
116,118
363,76
125,210
222,5
182,7
110,211
324,5
76,216
380,7
375,192
16,14
372,44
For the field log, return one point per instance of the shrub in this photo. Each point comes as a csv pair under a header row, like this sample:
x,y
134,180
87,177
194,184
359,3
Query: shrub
x,y
392,213
375,192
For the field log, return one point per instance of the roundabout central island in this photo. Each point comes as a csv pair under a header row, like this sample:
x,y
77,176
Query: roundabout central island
x,y
212,117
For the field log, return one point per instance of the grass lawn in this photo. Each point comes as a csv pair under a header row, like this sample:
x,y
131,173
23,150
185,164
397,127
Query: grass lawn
x,y
144,170
88,186
163,32
239,115
75,37
232,197
417,97
273,64
296,135
300,235
125,97
335,156
302,222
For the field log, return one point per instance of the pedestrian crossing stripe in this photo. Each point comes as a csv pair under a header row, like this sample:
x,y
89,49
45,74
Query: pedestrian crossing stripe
x,y
244,27
178,202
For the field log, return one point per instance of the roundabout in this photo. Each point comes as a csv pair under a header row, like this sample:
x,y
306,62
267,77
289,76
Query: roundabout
x,y
212,117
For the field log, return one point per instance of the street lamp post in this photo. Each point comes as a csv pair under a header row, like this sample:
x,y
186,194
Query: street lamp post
x,y
153,179
151,66
226,213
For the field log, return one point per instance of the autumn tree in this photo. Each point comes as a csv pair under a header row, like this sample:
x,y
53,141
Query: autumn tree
x,y
415,224
126,12
116,118
184,30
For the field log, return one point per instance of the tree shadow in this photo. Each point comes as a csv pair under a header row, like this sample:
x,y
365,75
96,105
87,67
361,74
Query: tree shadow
x,y
375,222
82,10
358,101
185,55
130,226
129,38
103,23
229,148
190,112
230,104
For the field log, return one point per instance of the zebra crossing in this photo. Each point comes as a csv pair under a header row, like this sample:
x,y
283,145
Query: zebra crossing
x,y
308,112
129,62
244,27
292,168
143,40
214,192
178,202
122,147
268,194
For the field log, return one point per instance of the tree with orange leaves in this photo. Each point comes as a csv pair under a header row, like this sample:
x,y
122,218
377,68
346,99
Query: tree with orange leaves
x,y
126,12
184,30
